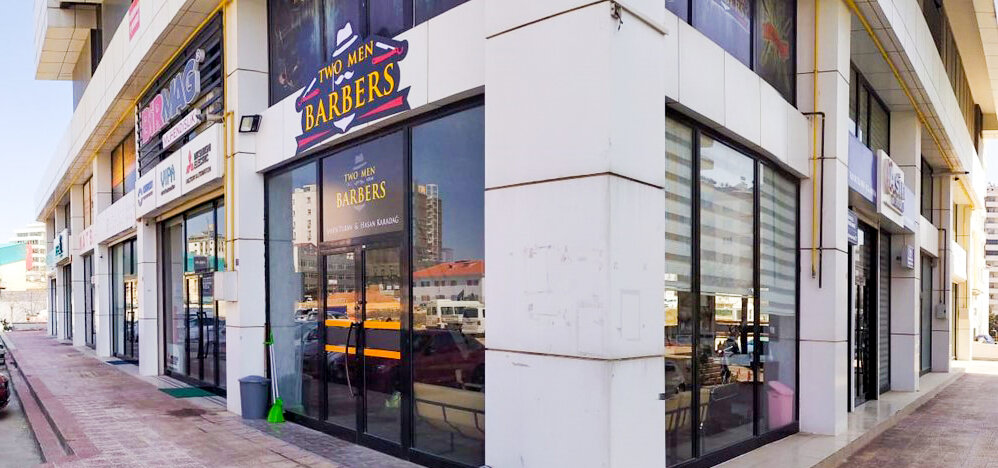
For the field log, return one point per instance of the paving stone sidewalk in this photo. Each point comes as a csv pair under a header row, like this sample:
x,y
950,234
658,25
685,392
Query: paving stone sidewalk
x,y
957,428
107,417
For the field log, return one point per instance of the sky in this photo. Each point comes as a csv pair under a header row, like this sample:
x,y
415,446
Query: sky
x,y
33,118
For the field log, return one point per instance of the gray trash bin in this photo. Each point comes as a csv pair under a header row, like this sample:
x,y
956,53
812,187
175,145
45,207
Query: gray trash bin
x,y
254,393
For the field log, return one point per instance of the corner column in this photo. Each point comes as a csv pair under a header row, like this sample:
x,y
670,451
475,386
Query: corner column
x,y
79,325
942,344
247,84
150,336
577,267
824,276
101,186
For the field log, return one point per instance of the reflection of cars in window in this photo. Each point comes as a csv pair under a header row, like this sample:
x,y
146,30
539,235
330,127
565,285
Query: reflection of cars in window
x,y
474,320
446,313
985,339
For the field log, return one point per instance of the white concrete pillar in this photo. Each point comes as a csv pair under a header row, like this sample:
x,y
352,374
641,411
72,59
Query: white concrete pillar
x,y
246,81
101,186
906,151
150,334
942,345
577,267
61,279
79,324
962,303
824,350
49,298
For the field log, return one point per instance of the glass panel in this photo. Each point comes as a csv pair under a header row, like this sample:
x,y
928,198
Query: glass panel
x,y
426,9
382,342
925,190
87,203
725,371
118,297
200,241
193,296
342,316
777,299
678,296
679,7
448,351
292,266
880,122
853,96
209,328
338,14
117,174
128,155
389,17
774,43
727,23
295,45
863,116
174,305
220,311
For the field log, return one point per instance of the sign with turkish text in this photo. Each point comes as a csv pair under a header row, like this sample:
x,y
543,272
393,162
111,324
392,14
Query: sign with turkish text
x,y
145,194
60,246
85,240
363,190
171,100
168,179
201,159
893,191
181,128
360,84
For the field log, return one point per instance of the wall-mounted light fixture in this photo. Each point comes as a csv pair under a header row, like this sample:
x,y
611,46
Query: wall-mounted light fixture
x,y
249,123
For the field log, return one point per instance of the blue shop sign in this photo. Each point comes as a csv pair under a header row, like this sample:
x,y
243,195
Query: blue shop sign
x,y
862,170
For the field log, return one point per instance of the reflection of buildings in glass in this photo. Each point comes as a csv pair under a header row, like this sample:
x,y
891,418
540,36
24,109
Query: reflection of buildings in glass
x,y
306,262
304,215
726,236
428,225
459,281
201,244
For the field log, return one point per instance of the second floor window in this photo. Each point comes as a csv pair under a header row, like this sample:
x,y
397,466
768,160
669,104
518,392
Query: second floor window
x,y
88,203
927,188
761,34
123,168
869,116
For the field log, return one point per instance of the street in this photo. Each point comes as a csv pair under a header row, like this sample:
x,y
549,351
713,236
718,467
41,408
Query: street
x,y
18,447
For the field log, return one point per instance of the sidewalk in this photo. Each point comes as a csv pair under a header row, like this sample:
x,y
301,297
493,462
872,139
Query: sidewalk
x,y
959,427
102,416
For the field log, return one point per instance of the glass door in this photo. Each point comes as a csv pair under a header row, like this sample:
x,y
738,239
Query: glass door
x,y
202,332
363,342
131,320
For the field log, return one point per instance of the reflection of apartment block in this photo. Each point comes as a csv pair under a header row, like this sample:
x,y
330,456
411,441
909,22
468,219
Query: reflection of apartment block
x,y
33,235
458,281
304,215
428,225
991,246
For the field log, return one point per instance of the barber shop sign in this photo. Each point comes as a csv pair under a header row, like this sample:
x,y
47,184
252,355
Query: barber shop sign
x,y
358,85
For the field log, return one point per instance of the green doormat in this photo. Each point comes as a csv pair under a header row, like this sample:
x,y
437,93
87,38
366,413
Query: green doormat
x,y
186,392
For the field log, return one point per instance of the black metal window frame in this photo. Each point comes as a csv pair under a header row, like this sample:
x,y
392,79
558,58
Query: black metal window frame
x,y
407,449
872,98
759,438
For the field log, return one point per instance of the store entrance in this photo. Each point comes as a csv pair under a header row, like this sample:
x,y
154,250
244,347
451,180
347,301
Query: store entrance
x,y
363,361
203,350
864,299
128,347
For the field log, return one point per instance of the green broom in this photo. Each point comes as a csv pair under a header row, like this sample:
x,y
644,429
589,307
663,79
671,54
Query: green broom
x,y
276,414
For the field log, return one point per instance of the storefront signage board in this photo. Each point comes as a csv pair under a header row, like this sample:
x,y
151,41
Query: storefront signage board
x,y
862,170
359,84
133,19
181,128
85,240
168,175
909,257
171,100
363,194
145,194
60,246
893,188
201,159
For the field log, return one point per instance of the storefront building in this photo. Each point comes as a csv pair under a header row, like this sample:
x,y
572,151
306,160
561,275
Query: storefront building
x,y
350,181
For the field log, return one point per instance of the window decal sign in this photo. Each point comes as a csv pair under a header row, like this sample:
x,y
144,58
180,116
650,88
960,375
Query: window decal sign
x,y
171,100
133,19
358,85
363,190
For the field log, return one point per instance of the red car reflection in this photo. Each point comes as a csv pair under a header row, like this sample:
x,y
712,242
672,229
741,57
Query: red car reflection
x,y
4,391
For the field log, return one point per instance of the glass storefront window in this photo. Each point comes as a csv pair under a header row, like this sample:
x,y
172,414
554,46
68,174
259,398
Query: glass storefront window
x,y
734,378
778,299
123,168
124,298
678,291
449,321
293,293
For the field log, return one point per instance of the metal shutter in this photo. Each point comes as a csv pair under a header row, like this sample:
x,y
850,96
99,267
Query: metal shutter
x,y
884,314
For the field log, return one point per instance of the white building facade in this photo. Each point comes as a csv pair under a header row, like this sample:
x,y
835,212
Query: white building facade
x,y
699,236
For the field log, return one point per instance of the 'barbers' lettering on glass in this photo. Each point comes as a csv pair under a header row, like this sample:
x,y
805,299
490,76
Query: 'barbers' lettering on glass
x,y
360,84
363,190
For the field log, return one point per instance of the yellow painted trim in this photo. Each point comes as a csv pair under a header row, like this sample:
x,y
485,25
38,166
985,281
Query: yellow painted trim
x,y
338,323
340,349
381,353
